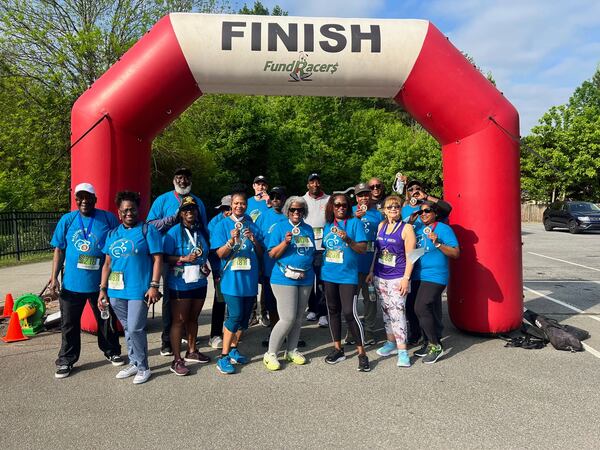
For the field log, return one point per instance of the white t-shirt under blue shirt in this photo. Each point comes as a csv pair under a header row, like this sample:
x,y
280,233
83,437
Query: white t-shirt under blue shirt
x,y
131,260
340,262
82,238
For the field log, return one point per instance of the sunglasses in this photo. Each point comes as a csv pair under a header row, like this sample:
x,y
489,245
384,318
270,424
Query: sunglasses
x,y
340,205
299,210
413,189
376,186
363,194
128,211
425,211
392,207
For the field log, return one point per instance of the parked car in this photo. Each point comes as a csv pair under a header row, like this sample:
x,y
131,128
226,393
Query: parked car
x,y
576,216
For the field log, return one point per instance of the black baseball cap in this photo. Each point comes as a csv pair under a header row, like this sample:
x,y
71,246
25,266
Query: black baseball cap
x,y
188,202
260,178
414,183
361,187
314,176
183,171
280,190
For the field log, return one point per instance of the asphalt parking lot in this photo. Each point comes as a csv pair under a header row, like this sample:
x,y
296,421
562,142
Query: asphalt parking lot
x,y
481,395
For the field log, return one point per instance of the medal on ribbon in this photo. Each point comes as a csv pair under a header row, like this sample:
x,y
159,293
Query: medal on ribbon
x,y
334,230
413,201
363,207
239,225
296,231
427,230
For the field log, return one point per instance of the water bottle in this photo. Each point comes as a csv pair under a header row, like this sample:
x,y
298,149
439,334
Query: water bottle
x,y
104,313
399,184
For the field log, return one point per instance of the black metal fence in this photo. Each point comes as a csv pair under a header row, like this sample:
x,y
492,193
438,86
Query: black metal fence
x,y
23,233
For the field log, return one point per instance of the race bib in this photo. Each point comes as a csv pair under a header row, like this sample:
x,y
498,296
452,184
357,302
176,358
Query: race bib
x,y
191,274
334,256
87,262
302,242
371,246
318,232
387,259
241,263
116,281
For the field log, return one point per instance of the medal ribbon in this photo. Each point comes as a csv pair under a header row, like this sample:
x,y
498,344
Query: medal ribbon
x,y
193,240
85,232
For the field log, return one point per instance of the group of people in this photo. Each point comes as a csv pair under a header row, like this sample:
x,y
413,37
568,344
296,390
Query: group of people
x,y
310,254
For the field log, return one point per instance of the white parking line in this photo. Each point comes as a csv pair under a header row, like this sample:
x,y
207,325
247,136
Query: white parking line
x,y
561,281
567,262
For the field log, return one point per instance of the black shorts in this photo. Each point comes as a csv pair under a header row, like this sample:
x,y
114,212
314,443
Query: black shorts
x,y
199,293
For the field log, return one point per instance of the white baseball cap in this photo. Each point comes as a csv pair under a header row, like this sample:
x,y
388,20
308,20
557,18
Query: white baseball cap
x,y
87,187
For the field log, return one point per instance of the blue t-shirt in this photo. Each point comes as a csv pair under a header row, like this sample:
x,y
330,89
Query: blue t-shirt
x,y
256,208
83,248
370,221
131,260
407,210
177,243
340,262
167,204
214,222
266,222
299,254
433,265
240,269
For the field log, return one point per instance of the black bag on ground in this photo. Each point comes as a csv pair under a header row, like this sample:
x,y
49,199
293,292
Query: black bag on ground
x,y
562,337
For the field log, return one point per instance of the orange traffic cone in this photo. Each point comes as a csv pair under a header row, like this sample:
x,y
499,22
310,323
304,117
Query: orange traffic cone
x,y
8,305
14,332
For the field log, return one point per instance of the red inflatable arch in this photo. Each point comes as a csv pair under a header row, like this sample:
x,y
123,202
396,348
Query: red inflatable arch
x,y
186,55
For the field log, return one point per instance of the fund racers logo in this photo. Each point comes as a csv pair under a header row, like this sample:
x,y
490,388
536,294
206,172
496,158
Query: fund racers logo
x,y
300,69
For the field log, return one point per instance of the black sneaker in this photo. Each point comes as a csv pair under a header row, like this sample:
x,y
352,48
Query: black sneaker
x,y
349,341
62,371
423,350
363,363
371,341
165,350
115,360
301,343
434,353
335,356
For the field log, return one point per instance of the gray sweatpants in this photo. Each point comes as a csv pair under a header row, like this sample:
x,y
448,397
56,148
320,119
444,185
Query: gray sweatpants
x,y
291,303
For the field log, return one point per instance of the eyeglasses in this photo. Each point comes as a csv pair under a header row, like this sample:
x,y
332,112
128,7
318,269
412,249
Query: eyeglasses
x,y
413,189
298,210
128,211
185,211
376,186
392,207
425,211
340,205
363,194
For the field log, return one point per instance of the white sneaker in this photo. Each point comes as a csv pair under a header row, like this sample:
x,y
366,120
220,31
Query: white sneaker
x,y
215,342
142,376
264,321
127,372
323,322
311,316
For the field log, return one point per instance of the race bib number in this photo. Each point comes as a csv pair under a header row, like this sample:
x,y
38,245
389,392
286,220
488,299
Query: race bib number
x,y
116,281
387,259
334,256
87,262
318,232
241,263
303,242
371,246
191,274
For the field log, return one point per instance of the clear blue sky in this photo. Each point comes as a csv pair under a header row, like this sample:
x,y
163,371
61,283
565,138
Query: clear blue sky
x,y
538,51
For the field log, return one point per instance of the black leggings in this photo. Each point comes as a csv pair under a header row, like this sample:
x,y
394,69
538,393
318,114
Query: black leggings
x,y
428,308
341,299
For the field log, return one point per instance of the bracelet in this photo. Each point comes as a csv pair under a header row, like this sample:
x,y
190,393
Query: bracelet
x,y
102,288
154,284
438,245
405,278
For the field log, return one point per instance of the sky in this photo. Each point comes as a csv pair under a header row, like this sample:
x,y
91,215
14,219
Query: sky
x,y
538,51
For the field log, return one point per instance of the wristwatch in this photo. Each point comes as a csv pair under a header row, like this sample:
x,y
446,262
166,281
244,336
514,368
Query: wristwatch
x,y
438,245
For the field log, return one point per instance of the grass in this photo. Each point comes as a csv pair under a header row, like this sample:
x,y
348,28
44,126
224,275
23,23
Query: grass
x,y
26,259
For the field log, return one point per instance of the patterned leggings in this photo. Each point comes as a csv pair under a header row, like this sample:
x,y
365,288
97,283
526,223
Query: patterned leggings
x,y
393,306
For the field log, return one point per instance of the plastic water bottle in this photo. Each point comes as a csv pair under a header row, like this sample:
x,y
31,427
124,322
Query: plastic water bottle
x,y
104,313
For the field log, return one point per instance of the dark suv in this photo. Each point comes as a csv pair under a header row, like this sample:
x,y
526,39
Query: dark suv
x,y
576,216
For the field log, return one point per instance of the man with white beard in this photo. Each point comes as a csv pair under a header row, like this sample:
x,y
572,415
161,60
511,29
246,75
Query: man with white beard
x,y
163,215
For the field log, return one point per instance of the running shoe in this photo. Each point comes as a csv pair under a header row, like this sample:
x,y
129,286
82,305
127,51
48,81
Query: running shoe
x,y
178,368
335,356
115,360
403,359
311,316
349,341
423,350
434,353
215,342
370,341
196,357
271,362
142,376
389,348
62,371
236,357
127,372
323,322
363,363
165,350
295,357
224,365
264,321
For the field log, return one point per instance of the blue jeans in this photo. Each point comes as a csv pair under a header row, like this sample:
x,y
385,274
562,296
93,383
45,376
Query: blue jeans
x,y
239,310
133,314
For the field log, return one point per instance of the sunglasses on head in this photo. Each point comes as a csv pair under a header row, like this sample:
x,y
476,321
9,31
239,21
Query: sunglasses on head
x,y
425,211
300,210
392,207
340,205
376,186
413,189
